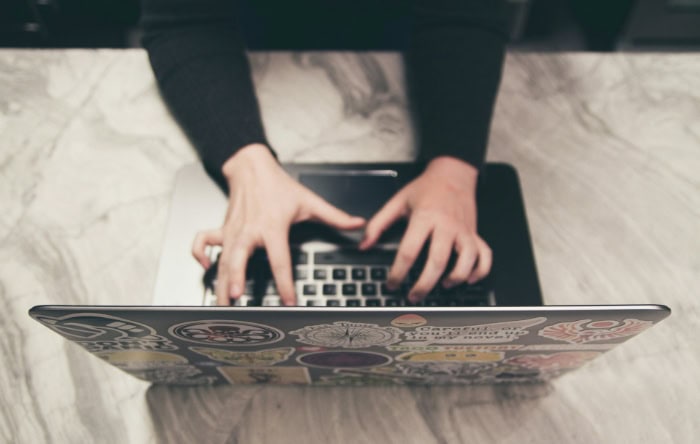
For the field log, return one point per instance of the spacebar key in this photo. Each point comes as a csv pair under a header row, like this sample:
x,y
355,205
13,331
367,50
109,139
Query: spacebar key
x,y
354,257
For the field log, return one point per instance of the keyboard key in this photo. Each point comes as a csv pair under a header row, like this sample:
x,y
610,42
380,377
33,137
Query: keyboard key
x,y
387,292
271,288
392,303
359,274
354,257
299,257
373,302
310,290
369,289
378,274
300,274
320,274
349,289
250,303
333,303
352,303
313,303
339,274
329,289
271,301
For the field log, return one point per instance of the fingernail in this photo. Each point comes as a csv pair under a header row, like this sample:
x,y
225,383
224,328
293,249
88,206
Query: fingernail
x,y
235,290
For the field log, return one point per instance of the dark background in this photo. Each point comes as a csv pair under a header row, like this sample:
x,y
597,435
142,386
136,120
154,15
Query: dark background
x,y
541,25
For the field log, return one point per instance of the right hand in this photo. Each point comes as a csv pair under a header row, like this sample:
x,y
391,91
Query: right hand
x,y
264,201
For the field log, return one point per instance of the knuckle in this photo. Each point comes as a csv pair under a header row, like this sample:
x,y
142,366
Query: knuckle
x,y
406,256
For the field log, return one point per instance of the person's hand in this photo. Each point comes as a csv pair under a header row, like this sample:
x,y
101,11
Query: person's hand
x,y
264,201
440,204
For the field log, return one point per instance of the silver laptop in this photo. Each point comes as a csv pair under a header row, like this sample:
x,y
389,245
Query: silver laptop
x,y
348,329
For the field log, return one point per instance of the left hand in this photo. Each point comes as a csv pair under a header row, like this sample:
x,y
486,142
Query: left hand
x,y
440,204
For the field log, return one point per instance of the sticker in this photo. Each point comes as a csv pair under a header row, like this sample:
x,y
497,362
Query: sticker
x,y
552,362
359,378
505,373
348,335
142,359
452,356
584,331
246,358
445,372
266,375
309,348
555,347
344,359
436,348
225,332
98,332
409,321
178,375
472,334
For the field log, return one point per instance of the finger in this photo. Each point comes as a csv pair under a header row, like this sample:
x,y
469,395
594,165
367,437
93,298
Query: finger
x,y
441,243
322,211
232,269
409,248
467,254
484,263
202,240
277,247
387,215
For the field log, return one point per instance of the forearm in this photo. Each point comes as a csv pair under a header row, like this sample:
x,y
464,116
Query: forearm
x,y
454,65
199,61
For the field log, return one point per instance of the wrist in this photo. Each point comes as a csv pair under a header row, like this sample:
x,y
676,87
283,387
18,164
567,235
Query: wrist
x,y
455,171
249,156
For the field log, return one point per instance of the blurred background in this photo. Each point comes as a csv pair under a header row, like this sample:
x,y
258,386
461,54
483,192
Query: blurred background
x,y
538,25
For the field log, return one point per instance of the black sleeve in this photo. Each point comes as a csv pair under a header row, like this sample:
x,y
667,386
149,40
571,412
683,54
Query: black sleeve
x,y
454,69
198,57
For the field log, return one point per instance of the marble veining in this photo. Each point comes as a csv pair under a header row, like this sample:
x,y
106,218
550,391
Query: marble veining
x,y
608,150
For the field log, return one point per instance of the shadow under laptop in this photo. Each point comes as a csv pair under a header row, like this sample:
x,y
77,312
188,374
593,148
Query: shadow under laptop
x,y
274,413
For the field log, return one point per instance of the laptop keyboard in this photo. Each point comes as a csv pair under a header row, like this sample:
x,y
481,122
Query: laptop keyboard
x,y
332,276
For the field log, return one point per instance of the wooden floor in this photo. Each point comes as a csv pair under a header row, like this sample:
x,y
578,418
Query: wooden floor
x,y
608,151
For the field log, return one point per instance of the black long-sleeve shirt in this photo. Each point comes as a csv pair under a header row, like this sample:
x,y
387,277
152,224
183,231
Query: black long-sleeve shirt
x,y
455,56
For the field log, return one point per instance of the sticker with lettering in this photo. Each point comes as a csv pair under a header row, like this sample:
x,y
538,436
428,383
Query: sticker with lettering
x,y
348,335
267,357
584,331
558,347
98,332
443,348
452,356
266,375
498,332
226,332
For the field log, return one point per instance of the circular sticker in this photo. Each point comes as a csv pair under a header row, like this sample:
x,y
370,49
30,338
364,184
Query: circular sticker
x,y
409,321
224,332
344,359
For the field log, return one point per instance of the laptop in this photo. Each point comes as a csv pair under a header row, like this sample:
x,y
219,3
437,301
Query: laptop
x,y
348,328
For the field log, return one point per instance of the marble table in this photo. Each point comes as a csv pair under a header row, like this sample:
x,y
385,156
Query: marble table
x,y
608,150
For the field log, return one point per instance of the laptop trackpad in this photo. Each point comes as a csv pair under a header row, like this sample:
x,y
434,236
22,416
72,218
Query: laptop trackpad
x,y
360,193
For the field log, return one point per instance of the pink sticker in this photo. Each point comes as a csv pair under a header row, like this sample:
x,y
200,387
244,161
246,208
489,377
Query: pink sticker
x,y
553,362
584,331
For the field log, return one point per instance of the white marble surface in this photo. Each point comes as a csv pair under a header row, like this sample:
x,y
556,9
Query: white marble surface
x,y
608,149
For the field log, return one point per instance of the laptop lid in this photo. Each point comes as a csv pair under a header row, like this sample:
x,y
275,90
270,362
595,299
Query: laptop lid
x,y
343,346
